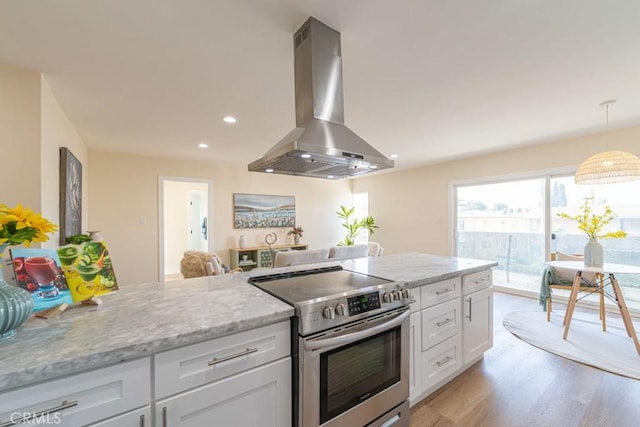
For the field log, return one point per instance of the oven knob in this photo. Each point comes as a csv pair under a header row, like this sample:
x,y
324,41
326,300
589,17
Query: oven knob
x,y
405,293
341,309
329,313
397,295
387,297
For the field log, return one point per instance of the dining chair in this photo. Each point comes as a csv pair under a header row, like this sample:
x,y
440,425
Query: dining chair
x,y
564,280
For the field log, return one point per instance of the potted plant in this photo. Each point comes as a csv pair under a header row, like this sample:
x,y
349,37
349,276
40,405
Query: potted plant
x,y
354,226
592,224
297,234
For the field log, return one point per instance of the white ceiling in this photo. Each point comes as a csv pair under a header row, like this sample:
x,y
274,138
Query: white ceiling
x,y
428,80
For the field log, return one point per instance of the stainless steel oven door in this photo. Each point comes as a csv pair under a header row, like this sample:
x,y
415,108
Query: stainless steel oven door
x,y
352,375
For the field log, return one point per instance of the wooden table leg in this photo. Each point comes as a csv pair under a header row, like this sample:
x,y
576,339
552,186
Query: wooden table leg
x,y
573,296
600,279
624,312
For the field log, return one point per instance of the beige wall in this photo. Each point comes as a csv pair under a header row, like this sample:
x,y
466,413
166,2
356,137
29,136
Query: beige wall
x,y
20,137
124,205
412,207
57,131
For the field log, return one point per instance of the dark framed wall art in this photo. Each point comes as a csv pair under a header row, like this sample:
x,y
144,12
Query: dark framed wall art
x,y
263,211
70,195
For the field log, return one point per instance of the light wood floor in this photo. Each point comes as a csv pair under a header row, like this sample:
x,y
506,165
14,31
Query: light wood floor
x,y
519,385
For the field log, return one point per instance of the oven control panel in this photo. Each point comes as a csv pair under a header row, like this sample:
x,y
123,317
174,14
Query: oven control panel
x,y
319,315
363,303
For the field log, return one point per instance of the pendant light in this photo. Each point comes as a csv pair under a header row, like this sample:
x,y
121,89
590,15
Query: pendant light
x,y
609,166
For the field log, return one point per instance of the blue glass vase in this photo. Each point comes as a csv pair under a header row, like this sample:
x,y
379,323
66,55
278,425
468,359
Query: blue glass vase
x,y
593,254
16,304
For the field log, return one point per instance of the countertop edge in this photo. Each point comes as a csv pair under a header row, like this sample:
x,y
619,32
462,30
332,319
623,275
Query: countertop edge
x,y
88,362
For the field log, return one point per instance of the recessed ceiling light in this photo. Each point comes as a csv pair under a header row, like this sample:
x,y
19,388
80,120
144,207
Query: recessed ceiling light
x,y
393,156
330,176
269,170
229,119
373,166
203,145
306,156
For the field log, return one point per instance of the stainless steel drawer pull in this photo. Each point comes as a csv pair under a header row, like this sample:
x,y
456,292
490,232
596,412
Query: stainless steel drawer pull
x,y
444,322
164,416
445,360
470,307
37,415
141,420
444,291
216,360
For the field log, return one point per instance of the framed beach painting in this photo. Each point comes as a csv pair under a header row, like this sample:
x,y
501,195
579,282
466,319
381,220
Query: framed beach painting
x,y
70,195
263,211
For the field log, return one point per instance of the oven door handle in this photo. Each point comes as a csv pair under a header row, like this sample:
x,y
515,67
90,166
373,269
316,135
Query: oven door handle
x,y
355,336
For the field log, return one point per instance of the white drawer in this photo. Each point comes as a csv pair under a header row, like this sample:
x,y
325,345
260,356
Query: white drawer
x,y
90,397
138,418
440,322
476,281
192,366
435,293
441,361
415,296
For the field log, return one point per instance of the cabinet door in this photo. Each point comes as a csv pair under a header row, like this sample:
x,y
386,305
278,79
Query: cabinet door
x,y
477,326
415,363
258,397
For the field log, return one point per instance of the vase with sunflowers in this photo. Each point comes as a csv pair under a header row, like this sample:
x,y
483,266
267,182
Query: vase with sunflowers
x,y
18,226
593,224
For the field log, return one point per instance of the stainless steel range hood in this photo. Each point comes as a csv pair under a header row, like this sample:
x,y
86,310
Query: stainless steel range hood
x,y
321,146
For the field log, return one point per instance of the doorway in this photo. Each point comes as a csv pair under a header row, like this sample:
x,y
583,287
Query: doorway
x,y
184,218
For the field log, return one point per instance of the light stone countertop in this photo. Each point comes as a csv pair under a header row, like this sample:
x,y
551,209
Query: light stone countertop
x,y
417,269
140,320
136,321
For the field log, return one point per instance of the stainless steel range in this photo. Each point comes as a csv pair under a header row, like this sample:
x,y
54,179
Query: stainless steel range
x,y
351,346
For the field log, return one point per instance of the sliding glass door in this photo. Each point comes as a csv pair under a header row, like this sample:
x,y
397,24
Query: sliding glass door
x,y
504,222
516,223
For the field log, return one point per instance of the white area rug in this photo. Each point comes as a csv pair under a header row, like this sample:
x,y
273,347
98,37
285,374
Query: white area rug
x,y
586,343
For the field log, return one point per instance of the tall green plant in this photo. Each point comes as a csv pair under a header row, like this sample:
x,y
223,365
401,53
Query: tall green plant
x,y
354,226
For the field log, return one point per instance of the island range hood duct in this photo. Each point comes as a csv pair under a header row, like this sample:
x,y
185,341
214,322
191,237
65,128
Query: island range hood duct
x,y
321,146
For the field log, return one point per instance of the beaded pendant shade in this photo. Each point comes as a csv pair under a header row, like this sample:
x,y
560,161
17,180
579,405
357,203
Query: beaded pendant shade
x,y
608,167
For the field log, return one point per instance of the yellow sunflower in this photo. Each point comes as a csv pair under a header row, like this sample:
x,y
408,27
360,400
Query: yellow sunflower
x,y
21,225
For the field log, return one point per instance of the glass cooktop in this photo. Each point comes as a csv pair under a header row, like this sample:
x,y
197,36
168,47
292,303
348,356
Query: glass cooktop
x,y
305,285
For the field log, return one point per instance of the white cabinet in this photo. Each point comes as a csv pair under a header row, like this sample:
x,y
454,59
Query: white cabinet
x,y
477,325
258,397
242,379
82,399
451,327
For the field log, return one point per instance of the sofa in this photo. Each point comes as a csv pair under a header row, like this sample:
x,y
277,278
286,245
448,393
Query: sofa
x,y
334,253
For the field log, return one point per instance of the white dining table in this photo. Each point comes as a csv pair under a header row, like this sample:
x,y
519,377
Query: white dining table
x,y
605,276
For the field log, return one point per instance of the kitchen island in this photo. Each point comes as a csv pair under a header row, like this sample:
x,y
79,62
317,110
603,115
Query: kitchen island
x,y
141,322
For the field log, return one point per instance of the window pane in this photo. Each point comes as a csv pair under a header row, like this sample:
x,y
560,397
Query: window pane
x,y
504,222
